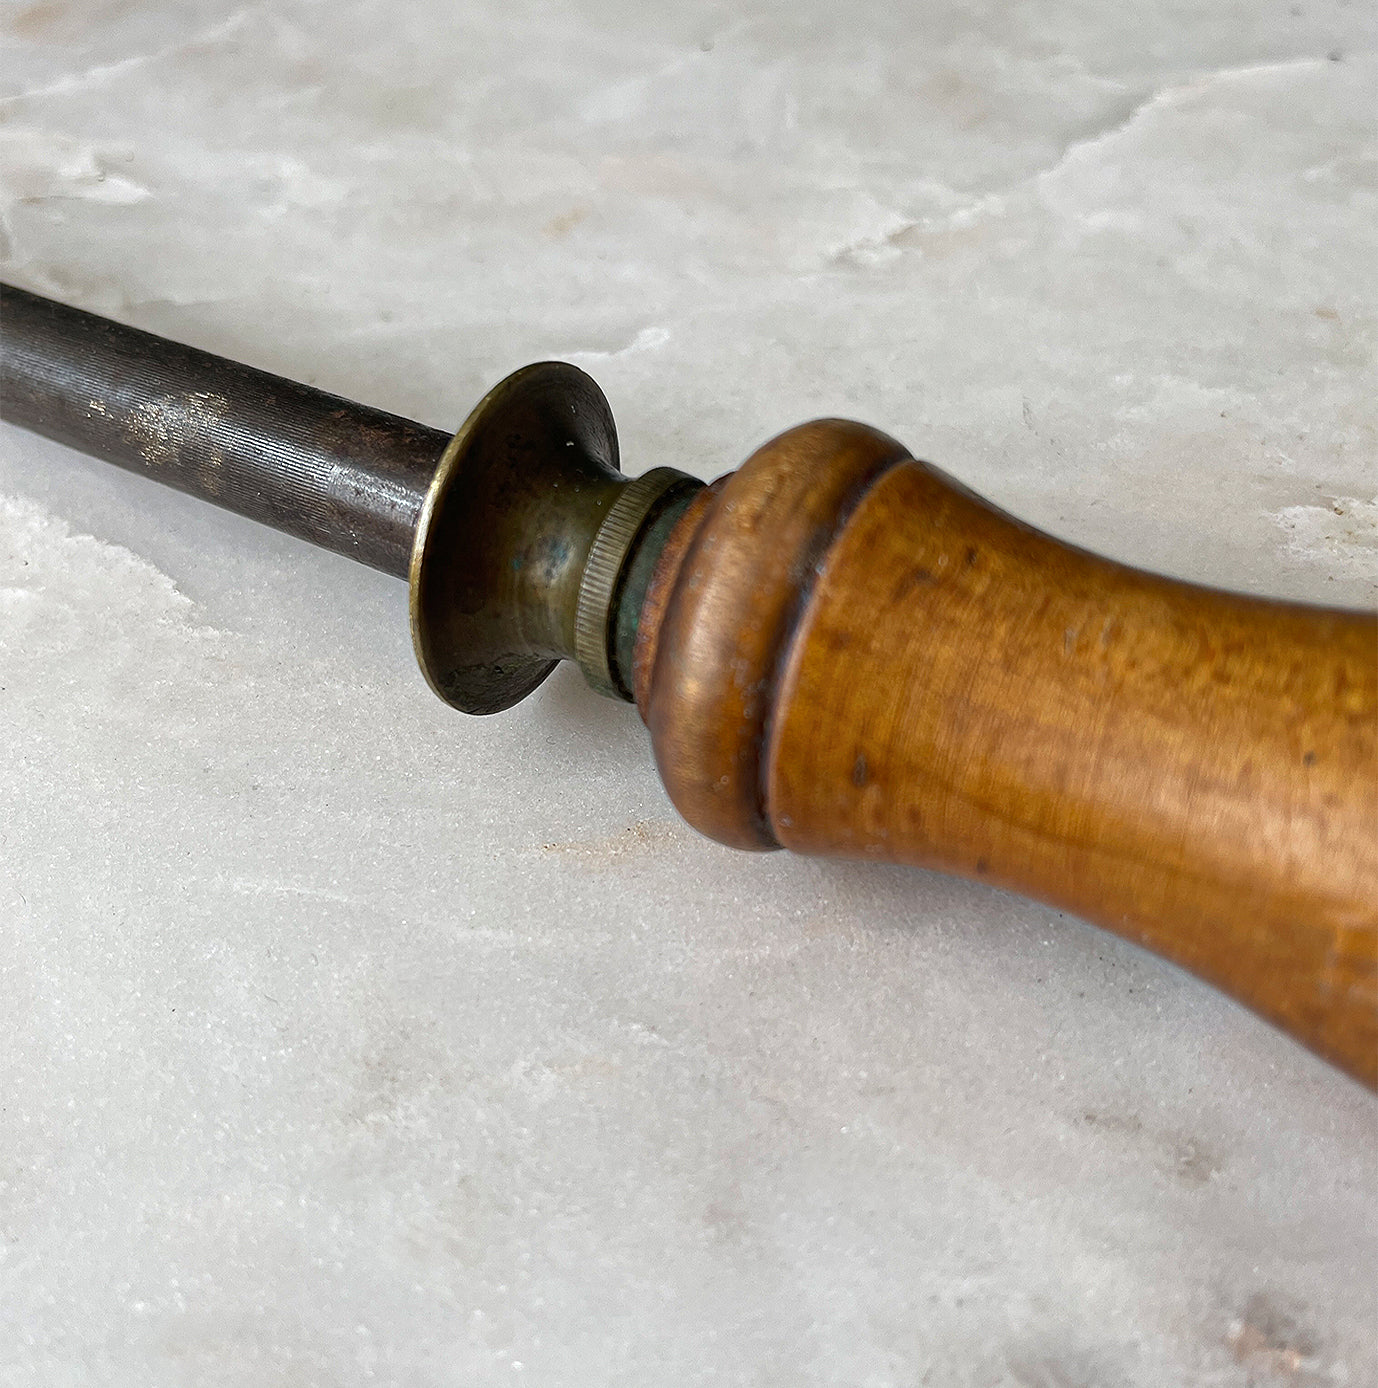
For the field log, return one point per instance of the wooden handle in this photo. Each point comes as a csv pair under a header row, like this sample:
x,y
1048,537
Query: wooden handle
x,y
844,652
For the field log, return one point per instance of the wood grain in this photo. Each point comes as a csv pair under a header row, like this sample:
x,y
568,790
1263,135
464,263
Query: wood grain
x,y
853,655
735,599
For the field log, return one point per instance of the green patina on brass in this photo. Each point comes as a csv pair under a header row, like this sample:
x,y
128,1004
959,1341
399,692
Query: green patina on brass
x,y
526,539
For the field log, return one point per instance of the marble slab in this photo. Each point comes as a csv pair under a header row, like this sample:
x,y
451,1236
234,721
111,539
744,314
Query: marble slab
x,y
350,1041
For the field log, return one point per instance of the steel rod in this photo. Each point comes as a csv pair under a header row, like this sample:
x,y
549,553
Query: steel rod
x,y
346,477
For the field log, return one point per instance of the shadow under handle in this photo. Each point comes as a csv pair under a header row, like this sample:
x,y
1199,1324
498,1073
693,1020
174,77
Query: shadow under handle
x,y
843,652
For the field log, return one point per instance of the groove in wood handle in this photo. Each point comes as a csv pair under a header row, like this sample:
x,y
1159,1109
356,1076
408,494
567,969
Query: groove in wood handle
x,y
844,652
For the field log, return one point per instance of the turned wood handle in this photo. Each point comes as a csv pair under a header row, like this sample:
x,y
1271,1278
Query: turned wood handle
x,y
844,652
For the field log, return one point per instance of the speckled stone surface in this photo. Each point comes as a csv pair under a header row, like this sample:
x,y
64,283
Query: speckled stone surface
x,y
350,1041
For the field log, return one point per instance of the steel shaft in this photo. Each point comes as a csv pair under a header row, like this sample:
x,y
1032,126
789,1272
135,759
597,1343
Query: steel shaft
x,y
521,541
339,474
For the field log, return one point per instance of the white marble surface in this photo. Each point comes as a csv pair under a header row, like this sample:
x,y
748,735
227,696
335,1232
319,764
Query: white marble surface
x,y
350,1041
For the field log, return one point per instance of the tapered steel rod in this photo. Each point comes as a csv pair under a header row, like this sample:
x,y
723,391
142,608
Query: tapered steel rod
x,y
341,475
520,540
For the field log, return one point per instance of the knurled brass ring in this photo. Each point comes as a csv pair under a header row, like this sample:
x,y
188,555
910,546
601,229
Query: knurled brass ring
x,y
612,545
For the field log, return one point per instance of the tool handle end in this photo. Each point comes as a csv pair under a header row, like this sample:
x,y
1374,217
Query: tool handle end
x,y
846,653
